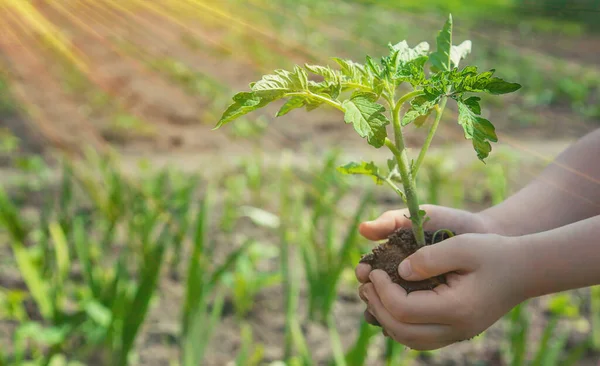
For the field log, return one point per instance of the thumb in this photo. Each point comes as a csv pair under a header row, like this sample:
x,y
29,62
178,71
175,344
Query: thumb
x,y
433,260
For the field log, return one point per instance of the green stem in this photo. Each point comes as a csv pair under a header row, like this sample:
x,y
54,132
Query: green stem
x,y
434,126
389,181
404,98
332,103
412,201
357,86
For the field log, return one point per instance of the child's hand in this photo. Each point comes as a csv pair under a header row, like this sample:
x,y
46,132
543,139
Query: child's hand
x,y
440,218
486,283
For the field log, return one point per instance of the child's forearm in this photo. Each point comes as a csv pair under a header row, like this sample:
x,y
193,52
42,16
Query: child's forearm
x,y
561,259
568,190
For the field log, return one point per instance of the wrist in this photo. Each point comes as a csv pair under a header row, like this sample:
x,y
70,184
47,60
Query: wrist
x,y
521,272
488,224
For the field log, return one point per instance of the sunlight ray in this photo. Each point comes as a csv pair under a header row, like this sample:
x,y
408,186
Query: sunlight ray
x,y
29,14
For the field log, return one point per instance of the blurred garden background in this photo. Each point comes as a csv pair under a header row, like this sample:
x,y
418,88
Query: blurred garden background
x,y
131,233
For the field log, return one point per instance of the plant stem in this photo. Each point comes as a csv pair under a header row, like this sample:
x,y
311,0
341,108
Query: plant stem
x,y
404,98
332,103
412,201
434,126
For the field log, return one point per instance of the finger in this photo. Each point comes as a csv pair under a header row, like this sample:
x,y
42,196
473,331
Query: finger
x,y
362,272
384,225
417,336
433,260
371,319
361,293
418,307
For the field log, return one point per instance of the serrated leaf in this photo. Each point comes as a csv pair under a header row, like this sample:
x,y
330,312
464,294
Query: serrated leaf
x,y
469,81
362,168
274,86
407,54
358,74
373,68
367,117
419,106
473,104
327,73
291,104
351,69
469,70
498,86
243,103
476,128
440,59
412,71
459,52
312,105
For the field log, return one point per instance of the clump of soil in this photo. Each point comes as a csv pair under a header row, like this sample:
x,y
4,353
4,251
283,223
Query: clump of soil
x,y
401,243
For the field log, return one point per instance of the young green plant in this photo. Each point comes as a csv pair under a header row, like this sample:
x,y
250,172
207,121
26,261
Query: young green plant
x,y
371,97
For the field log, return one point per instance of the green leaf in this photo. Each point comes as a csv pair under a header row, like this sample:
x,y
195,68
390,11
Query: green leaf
x,y
407,54
473,104
405,63
440,59
327,73
498,86
367,117
469,81
243,103
421,120
476,128
392,163
351,69
421,106
358,75
373,68
275,85
412,71
362,168
61,248
459,52
291,104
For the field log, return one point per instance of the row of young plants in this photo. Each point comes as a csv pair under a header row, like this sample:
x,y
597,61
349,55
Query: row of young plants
x,y
99,248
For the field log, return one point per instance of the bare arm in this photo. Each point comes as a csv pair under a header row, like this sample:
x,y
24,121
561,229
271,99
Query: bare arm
x,y
568,190
561,259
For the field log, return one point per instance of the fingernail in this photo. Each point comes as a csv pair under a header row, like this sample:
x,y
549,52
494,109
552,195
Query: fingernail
x,y
405,269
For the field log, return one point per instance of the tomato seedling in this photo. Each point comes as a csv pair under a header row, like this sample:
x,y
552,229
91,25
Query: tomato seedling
x,y
371,96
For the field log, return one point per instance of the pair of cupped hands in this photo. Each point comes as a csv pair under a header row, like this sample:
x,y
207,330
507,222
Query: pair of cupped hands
x,y
481,285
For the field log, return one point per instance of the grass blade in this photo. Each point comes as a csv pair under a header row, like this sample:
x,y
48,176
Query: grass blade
x,y
595,314
61,249
518,330
357,355
200,329
545,342
336,343
136,313
227,265
195,282
27,264
83,256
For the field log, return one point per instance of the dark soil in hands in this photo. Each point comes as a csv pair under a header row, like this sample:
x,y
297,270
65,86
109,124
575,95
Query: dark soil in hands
x,y
401,244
